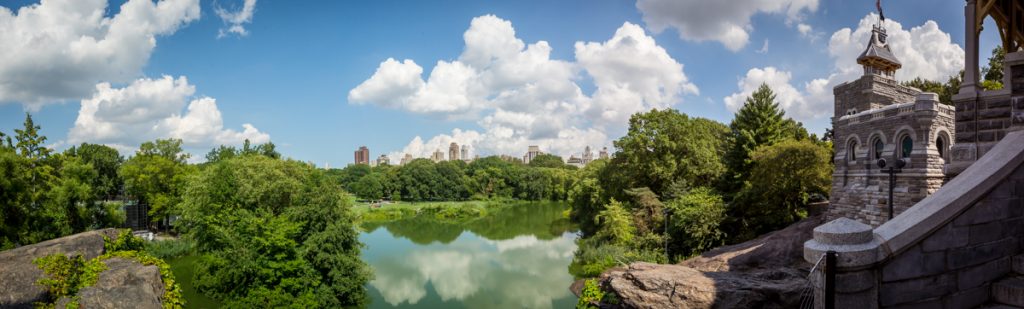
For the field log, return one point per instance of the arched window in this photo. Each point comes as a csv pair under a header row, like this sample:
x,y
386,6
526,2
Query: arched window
x,y
906,146
879,146
941,145
852,151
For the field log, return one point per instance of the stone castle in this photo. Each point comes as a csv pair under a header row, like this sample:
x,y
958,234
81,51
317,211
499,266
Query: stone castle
x,y
957,236
878,118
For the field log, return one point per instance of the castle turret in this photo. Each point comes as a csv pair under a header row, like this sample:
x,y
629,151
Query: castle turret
x,y
877,58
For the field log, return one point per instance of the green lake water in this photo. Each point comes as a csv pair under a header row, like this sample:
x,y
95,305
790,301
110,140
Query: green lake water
x,y
514,258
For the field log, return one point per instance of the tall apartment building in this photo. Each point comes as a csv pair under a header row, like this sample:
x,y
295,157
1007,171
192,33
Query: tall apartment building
x,y
603,154
531,153
362,155
383,160
465,153
453,152
406,159
438,156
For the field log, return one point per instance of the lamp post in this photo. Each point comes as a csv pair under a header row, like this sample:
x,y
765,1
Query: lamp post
x,y
892,170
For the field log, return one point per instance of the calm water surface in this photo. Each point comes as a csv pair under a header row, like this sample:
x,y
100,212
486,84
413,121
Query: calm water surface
x,y
514,258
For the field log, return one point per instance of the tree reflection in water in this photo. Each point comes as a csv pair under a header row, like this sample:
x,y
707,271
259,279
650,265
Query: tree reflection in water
x,y
513,258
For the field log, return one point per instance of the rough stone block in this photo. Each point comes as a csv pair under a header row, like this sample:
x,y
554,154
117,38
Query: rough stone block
x,y
981,212
1018,264
914,264
945,238
987,232
924,304
977,254
988,136
989,113
855,282
1009,291
909,291
984,273
971,298
855,300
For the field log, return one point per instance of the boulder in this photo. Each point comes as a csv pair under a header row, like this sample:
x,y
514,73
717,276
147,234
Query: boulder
x,y
782,248
766,272
125,284
646,285
18,276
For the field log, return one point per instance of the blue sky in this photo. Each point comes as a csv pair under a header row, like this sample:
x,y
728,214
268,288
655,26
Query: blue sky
x,y
290,76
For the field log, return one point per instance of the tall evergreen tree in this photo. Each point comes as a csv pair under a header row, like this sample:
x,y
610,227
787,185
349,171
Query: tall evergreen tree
x,y
30,143
759,122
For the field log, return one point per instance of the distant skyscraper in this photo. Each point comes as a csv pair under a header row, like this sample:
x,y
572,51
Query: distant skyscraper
x,y
453,152
362,155
603,154
438,156
465,153
531,153
587,156
406,159
383,160
575,161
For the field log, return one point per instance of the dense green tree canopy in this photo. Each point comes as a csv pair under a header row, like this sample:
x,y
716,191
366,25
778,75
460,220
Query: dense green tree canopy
x,y
45,195
664,146
106,161
272,231
759,122
785,178
547,160
156,175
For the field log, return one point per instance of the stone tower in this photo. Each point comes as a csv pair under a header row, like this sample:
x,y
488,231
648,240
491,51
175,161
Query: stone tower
x,y
876,117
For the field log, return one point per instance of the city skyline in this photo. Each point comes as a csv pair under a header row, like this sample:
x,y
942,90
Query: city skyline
x,y
214,73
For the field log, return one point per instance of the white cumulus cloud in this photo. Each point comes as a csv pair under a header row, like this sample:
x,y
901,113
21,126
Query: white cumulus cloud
x,y
58,50
925,51
234,21
522,97
727,22
148,109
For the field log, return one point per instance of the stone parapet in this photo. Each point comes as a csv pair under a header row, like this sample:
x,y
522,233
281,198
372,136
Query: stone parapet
x,y
947,251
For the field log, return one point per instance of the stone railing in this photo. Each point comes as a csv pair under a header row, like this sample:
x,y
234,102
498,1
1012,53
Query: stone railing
x,y
944,252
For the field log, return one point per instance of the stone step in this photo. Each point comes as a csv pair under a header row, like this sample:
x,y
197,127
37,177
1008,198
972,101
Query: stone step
x,y
999,307
1018,264
1009,291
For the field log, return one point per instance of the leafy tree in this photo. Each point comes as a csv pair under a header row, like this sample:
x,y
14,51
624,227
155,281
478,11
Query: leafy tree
x,y
106,161
15,183
944,90
156,175
647,210
695,225
784,178
664,146
221,153
273,232
370,187
993,72
616,224
547,160
30,143
169,149
759,122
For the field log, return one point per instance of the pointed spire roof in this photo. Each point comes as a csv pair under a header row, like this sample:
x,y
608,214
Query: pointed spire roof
x,y
877,57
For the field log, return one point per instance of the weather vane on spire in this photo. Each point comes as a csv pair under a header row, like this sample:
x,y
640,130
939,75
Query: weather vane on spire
x,y
878,4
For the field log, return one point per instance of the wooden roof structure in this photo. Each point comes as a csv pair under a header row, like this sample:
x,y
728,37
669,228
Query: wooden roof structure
x,y
1009,18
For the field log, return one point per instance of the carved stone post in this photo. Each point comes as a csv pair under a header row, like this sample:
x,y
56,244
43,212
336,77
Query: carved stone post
x,y
856,282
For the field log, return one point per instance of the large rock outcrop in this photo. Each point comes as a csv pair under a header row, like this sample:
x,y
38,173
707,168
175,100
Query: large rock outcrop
x,y
125,284
767,272
123,281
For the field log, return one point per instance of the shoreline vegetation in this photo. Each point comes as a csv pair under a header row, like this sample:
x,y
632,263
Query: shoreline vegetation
x,y
443,211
